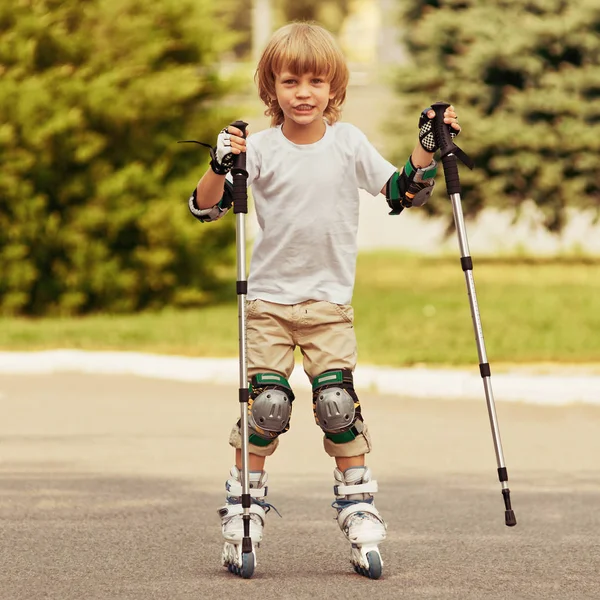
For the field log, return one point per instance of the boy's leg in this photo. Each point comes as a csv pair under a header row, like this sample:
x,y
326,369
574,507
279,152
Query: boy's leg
x,y
270,356
255,462
359,519
347,462
328,344
269,352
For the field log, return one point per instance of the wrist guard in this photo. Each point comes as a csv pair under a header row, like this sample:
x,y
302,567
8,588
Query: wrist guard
x,y
216,212
411,187
426,137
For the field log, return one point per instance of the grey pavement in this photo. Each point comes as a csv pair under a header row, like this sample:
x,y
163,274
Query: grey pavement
x,y
109,487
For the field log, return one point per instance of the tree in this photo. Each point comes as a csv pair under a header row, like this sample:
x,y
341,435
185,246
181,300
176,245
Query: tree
x,y
93,186
523,76
236,14
329,14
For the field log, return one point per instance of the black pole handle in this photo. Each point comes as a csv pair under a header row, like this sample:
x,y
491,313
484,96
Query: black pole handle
x,y
239,160
441,133
442,136
448,149
444,141
240,176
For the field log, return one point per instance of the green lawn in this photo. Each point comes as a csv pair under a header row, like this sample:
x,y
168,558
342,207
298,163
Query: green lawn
x,y
408,310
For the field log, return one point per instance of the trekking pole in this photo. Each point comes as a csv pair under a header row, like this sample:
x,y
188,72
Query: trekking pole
x,y
240,209
449,154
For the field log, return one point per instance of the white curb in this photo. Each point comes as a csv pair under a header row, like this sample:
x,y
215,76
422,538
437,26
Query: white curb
x,y
420,382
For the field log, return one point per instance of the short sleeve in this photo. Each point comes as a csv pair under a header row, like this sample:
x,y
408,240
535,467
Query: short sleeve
x,y
372,170
252,161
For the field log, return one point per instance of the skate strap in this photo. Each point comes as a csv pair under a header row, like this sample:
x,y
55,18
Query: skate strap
x,y
235,489
362,488
258,507
231,510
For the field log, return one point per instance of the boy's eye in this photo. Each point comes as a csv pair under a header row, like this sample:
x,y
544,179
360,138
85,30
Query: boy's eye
x,y
289,81
317,80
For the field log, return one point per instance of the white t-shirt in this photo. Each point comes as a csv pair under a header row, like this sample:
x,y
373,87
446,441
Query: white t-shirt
x,y
306,202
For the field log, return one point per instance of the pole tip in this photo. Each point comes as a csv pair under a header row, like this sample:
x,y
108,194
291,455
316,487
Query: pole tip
x,y
510,519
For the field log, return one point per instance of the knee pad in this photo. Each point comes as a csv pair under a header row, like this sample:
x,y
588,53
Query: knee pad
x,y
336,406
269,408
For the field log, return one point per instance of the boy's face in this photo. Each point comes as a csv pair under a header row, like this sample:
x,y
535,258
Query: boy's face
x,y
302,98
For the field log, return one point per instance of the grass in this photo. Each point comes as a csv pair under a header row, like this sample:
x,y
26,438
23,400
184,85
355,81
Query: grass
x,y
531,311
408,310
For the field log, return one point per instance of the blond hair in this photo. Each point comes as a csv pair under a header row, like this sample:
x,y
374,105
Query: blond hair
x,y
302,48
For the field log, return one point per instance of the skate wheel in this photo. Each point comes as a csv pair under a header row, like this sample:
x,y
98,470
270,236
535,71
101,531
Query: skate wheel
x,y
375,566
247,569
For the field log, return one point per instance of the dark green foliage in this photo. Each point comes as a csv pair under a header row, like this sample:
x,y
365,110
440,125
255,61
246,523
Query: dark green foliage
x,y
524,77
94,95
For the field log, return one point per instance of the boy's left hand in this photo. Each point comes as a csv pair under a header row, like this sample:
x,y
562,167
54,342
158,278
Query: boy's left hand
x,y
425,130
450,117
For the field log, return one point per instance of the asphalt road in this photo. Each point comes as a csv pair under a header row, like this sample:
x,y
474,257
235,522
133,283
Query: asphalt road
x,y
109,488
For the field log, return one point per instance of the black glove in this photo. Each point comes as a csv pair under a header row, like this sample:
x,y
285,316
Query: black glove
x,y
426,137
222,157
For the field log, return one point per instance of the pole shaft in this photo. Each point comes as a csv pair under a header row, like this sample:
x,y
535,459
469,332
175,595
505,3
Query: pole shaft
x,y
449,152
243,363
463,244
240,209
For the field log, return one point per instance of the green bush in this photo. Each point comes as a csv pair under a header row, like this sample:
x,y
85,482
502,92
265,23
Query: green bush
x,y
93,186
525,79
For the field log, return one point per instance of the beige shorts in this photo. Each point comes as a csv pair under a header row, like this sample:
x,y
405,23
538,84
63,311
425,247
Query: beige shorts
x,y
323,331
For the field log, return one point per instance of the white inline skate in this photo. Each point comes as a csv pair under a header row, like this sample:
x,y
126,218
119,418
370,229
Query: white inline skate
x,y
359,520
232,523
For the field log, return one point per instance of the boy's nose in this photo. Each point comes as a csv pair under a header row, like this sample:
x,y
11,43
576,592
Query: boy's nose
x,y
302,91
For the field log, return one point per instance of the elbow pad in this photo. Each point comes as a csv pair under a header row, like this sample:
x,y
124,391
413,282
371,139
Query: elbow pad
x,y
216,212
411,187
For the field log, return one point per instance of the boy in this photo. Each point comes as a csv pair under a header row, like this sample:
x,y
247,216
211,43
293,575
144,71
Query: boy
x,y
305,173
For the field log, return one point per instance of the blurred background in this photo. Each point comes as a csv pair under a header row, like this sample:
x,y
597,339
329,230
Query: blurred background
x,y
98,250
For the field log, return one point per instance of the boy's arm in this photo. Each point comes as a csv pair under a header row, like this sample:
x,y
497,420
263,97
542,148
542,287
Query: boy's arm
x,y
413,185
212,197
209,190
420,159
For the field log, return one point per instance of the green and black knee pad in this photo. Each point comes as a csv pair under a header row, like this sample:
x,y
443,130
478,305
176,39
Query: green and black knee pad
x,y
269,408
336,406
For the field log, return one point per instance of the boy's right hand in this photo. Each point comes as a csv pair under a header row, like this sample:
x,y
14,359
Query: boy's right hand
x,y
230,141
237,139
